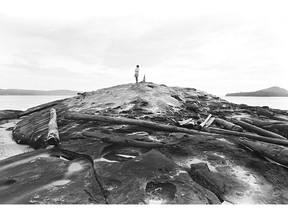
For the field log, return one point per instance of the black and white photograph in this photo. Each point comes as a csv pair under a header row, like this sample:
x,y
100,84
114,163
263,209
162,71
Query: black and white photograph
x,y
128,103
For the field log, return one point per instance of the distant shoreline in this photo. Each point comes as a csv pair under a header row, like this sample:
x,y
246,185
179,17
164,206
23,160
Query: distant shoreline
x,y
20,92
269,92
228,95
40,95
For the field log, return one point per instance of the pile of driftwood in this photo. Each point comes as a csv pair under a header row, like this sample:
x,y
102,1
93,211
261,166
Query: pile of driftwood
x,y
266,136
266,147
270,145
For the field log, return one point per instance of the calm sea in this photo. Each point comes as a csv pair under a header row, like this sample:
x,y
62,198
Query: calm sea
x,y
16,102
25,102
272,102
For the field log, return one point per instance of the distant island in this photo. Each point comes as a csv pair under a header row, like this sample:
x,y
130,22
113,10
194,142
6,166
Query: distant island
x,y
269,92
36,92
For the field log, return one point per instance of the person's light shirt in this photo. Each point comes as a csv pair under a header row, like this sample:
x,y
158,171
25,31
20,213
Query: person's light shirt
x,y
137,71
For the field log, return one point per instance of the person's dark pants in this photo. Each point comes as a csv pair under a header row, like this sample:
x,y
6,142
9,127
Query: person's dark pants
x,y
136,77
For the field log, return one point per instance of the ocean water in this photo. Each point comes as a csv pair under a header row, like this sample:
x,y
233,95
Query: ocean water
x,y
272,102
16,102
25,102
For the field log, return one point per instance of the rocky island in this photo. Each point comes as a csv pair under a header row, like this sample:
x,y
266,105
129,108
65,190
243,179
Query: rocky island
x,y
147,143
269,92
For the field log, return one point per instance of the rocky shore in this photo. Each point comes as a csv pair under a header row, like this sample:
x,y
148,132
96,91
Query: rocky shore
x,y
220,160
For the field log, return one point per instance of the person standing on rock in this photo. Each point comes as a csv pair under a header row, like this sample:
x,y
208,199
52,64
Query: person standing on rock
x,y
136,73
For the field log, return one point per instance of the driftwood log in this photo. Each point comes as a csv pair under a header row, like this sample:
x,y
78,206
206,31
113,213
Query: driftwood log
x,y
211,120
118,140
273,152
142,123
53,134
228,125
260,123
247,135
189,121
257,130
205,121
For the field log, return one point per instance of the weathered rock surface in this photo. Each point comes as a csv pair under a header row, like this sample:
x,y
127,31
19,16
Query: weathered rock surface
x,y
9,114
43,177
151,178
185,169
230,171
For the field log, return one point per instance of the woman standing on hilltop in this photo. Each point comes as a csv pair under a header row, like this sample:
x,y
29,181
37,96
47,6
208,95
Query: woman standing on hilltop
x,y
136,73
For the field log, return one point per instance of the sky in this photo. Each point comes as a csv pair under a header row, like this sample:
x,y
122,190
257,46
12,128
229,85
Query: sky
x,y
217,46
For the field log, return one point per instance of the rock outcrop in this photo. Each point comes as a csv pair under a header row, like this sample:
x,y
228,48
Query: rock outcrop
x,y
9,114
104,162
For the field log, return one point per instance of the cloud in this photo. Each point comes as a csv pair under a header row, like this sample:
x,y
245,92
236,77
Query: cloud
x,y
213,51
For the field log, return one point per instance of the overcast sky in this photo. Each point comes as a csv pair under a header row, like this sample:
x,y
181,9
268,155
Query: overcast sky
x,y
216,46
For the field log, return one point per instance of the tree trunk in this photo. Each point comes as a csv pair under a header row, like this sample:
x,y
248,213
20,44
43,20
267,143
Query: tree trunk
x,y
273,152
53,134
205,121
211,120
118,140
228,125
257,130
247,135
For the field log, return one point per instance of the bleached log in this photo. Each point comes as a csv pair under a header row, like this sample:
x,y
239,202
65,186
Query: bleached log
x,y
186,122
228,125
118,140
257,130
247,135
53,134
211,120
142,123
205,121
